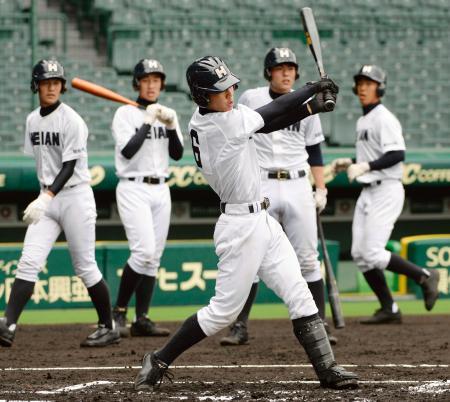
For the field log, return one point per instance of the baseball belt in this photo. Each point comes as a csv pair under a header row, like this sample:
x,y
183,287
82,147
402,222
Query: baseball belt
x,y
285,174
246,208
149,180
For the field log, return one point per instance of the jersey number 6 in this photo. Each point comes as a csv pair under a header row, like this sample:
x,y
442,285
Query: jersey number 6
x,y
196,148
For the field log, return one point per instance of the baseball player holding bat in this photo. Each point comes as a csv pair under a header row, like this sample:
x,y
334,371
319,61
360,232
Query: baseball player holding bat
x,y
56,136
145,137
380,151
286,157
248,240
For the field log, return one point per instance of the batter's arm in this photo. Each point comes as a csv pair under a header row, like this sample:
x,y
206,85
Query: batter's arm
x,y
62,177
291,108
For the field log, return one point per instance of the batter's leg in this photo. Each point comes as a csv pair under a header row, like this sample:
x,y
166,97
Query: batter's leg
x,y
281,272
238,331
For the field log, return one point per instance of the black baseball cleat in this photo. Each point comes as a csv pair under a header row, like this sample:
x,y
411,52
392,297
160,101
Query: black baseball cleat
x,y
146,327
119,315
333,339
103,336
430,289
238,335
6,333
383,316
336,377
152,373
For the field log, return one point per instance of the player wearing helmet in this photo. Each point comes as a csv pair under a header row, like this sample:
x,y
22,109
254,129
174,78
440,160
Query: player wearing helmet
x,y
248,241
56,137
286,157
145,137
378,167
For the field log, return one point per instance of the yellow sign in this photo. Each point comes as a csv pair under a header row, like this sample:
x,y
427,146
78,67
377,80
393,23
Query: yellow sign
x,y
414,173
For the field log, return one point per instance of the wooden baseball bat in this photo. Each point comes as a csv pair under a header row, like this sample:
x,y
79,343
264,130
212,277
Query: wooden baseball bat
x,y
102,92
313,42
330,280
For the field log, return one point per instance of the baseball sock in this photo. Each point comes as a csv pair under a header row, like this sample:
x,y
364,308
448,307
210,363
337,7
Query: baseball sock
x,y
144,292
128,283
243,316
20,294
187,335
99,294
399,265
377,282
317,289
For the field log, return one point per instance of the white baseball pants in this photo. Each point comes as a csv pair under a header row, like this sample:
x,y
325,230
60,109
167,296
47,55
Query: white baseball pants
x,y
72,211
377,209
145,213
247,245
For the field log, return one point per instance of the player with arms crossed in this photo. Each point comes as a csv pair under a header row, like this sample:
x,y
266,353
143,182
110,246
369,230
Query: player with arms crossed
x,y
56,136
145,138
380,151
248,241
285,158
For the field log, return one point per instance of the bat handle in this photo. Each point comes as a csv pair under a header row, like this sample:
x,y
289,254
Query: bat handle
x,y
329,101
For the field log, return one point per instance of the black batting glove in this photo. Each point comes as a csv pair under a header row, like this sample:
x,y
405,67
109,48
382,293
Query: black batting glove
x,y
325,84
317,104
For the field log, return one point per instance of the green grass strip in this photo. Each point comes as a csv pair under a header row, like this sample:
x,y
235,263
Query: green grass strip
x,y
259,311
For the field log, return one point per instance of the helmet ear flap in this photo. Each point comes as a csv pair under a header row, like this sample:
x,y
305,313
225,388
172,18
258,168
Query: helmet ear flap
x,y
381,89
354,89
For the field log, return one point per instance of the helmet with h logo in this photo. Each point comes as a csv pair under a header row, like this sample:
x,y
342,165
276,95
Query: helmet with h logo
x,y
45,70
374,73
207,75
277,56
145,67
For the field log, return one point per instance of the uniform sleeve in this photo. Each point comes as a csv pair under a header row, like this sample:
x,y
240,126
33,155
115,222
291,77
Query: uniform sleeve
x,y
74,139
241,123
122,128
313,130
391,137
27,147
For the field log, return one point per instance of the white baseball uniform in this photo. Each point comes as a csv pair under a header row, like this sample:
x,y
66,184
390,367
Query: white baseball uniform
x,y
248,241
291,201
53,139
381,200
144,208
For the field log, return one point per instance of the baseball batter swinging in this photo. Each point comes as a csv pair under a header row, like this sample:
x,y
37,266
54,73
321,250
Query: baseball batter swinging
x,y
57,136
145,137
248,241
380,151
286,158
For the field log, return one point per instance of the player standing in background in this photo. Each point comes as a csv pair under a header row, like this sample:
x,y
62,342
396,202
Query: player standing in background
x,y
248,241
380,152
145,138
286,157
56,136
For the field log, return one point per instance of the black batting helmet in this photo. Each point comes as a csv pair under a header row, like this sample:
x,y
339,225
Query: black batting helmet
x,y
145,67
277,56
374,73
45,70
207,75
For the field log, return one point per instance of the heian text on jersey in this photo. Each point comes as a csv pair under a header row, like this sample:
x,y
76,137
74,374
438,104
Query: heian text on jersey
x,y
44,138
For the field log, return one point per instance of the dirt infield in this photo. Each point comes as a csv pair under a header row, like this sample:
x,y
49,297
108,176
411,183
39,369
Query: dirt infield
x,y
395,362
